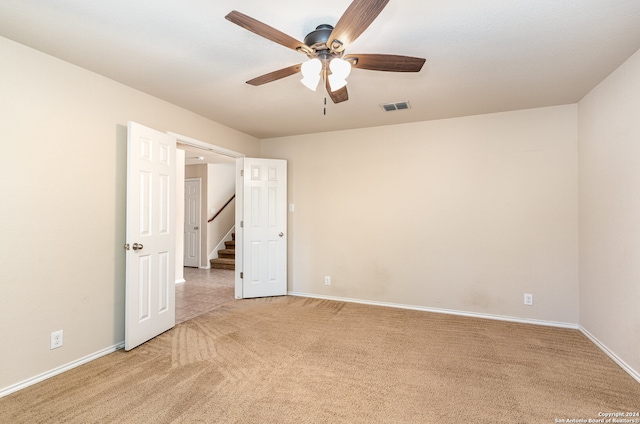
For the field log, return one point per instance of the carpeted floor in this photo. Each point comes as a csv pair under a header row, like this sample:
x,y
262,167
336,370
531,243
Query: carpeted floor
x,y
298,360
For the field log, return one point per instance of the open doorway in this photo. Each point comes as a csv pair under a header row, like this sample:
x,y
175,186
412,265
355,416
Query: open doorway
x,y
201,287
202,291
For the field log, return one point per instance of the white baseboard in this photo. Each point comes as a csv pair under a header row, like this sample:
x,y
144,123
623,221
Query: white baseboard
x,y
633,373
442,311
181,281
38,378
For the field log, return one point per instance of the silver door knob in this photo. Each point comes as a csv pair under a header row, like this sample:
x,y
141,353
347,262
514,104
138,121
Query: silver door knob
x,y
281,234
195,228
137,246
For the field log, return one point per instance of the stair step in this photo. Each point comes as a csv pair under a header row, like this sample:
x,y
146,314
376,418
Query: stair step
x,y
230,244
227,253
223,263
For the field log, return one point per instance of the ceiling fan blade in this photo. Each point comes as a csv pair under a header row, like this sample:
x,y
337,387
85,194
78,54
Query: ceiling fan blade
x,y
355,20
338,96
266,31
385,62
275,75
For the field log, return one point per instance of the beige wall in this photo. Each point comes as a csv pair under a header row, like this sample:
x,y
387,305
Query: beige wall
x,y
62,207
609,128
462,214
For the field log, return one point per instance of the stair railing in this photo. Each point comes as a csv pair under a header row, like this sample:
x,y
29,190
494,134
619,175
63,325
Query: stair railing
x,y
221,209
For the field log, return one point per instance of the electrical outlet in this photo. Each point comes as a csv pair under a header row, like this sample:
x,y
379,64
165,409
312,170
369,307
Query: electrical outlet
x,y
528,299
327,280
56,339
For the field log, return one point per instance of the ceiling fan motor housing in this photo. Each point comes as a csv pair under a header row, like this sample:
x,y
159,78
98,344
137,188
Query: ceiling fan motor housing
x,y
317,40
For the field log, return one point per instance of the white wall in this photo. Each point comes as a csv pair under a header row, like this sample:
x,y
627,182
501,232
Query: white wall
x,y
463,214
609,129
221,186
62,209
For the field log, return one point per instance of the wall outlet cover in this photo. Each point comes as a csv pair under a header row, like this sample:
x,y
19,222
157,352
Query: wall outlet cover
x,y
528,299
57,339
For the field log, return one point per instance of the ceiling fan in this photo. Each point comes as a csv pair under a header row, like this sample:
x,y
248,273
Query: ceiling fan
x,y
325,48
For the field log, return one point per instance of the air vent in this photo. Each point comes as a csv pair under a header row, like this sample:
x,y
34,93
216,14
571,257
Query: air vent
x,y
388,107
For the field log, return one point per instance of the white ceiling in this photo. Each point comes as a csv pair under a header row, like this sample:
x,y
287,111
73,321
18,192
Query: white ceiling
x,y
482,56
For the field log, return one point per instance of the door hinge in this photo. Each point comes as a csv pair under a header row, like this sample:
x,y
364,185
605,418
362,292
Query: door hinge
x,y
241,224
126,246
242,172
241,275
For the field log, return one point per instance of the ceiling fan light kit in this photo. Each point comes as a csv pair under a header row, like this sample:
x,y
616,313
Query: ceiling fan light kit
x,y
311,71
325,49
340,70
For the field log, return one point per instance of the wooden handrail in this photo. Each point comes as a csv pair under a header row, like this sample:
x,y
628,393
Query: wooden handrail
x,y
221,209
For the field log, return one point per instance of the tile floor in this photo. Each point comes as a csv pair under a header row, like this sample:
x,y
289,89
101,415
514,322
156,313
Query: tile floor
x,y
204,289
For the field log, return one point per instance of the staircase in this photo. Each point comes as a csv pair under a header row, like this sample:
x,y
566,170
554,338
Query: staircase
x,y
226,257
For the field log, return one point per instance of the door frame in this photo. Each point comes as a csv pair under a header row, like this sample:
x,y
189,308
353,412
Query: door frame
x,y
189,141
192,142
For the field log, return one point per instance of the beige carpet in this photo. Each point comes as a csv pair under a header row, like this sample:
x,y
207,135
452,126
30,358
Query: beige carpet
x,y
297,360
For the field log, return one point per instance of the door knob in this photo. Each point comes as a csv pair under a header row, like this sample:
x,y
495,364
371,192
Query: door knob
x,y
281,234
137,246
195,228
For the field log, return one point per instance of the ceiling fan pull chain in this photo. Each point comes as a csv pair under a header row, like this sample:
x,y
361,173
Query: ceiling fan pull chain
x,y
325,106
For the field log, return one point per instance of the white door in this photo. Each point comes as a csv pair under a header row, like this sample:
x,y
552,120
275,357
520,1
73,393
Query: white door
x,y
192,223
262,191
150,242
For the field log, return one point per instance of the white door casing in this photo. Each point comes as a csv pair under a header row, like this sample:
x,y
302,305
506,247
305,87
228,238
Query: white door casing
x,y
180,171
262,210
192,223
150,239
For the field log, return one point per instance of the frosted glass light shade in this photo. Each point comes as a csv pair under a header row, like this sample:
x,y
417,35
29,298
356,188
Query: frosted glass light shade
x,y
340,68
311,73
336,82
311,82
